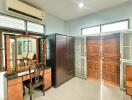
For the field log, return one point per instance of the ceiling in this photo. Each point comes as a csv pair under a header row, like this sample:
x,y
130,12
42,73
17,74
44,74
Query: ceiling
x,y
68,9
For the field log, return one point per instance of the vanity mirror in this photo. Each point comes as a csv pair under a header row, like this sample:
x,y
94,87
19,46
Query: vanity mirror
x,y
26,51
22,51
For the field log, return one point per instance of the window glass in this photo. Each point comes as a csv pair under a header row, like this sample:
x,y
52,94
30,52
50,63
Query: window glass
x,y
91,31
10,22
118,26
33,27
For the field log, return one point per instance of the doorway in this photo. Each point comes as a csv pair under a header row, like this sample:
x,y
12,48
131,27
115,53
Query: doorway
x,y
103,58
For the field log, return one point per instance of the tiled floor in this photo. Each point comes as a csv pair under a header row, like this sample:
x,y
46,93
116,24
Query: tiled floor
x,y
79,89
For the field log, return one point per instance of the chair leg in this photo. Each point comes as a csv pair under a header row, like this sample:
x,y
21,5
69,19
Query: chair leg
x,y
23,90
43,90
30,93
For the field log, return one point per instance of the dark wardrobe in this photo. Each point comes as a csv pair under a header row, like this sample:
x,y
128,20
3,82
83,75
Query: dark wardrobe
x,y
60,56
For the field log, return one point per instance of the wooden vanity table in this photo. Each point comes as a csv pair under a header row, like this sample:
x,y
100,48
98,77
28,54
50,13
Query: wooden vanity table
x,y
15,83
22,51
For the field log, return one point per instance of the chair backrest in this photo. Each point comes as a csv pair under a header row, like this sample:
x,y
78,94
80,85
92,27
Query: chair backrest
x,y
128,72
36,73
30,55
24,54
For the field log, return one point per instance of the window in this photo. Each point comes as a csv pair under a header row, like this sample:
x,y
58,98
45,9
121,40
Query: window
x,y
19,24
118,26
33,27
91,31
10,22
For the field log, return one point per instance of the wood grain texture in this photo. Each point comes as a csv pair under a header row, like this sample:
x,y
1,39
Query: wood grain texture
x,y
8,66
61,58
93,57
129,79
15,86
15,89
111,59
47,79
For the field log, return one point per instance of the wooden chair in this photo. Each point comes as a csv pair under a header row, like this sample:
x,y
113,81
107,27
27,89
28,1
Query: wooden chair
x,y
36,79
129,80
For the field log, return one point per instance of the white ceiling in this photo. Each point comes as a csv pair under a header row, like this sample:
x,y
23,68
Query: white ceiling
x,y
68,9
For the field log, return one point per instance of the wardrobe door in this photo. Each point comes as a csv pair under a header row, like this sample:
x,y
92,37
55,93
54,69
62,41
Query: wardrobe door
x,y
93,57
111,59
60,59
70,57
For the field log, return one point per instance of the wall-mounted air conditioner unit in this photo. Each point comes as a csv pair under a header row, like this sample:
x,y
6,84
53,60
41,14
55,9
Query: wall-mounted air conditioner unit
x,y
24,9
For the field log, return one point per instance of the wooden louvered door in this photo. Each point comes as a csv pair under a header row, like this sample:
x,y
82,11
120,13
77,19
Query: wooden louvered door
x,y
93,57
111,59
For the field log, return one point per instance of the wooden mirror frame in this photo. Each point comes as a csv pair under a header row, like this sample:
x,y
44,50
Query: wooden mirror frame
x,y
7,53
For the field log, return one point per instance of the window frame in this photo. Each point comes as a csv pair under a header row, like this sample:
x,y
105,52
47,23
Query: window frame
x,y
25,21
101,33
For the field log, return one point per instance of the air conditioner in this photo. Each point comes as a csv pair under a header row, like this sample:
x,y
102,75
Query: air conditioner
x,y
24,9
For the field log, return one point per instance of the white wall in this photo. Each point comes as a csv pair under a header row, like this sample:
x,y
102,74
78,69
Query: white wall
x,y
3,86
54,24
110,15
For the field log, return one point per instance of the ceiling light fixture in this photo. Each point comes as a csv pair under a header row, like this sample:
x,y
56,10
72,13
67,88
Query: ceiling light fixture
x,y
81,5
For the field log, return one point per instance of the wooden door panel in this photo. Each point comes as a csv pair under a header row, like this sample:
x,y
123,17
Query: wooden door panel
x,y
110,51
110,40
94,66
93,74
110,67
111,59
70,58
93,49
60,49
93,41
93,57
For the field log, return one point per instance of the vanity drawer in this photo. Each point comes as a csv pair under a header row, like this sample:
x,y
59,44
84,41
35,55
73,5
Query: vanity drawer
x,y
47,78
26,77
14,81
47,71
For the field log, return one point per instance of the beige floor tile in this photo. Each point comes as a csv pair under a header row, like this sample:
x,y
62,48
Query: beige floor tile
x,y
80,89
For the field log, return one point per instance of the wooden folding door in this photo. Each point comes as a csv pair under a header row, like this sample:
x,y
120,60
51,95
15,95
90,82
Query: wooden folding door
x,y
93,57
111,59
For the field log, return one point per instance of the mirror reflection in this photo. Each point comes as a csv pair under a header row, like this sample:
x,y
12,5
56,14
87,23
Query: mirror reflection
x,y
26,51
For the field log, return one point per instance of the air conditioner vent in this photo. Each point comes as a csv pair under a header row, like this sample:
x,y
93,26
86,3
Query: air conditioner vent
x,y
24,9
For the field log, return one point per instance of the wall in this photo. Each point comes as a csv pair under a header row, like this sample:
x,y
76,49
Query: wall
x,y
109,15
54,24
3,87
